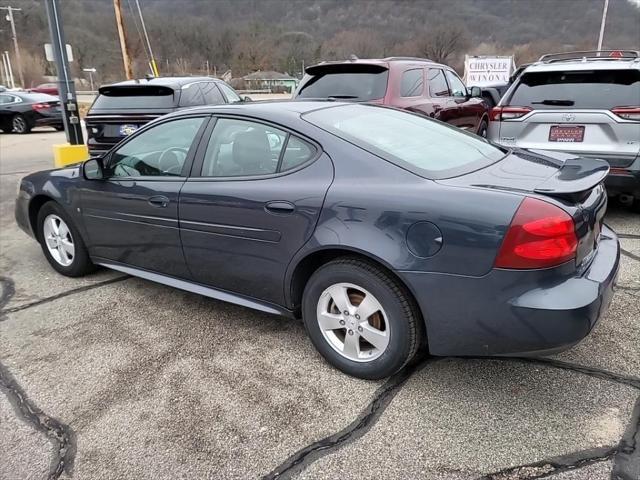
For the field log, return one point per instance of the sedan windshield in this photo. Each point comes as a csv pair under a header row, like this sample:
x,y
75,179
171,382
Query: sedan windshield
x,y
426,147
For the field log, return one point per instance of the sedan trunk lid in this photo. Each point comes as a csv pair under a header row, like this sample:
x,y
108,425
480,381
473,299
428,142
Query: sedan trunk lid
x,y
571,182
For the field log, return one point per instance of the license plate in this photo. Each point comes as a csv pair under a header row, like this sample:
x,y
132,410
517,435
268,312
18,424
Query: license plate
x,y
126,130
568,134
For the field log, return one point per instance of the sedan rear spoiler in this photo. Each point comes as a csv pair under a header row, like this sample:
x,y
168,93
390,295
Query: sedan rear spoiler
x,y
576,175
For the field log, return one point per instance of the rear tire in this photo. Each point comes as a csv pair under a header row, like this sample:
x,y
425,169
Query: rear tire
x,y
482,129
61,242
360,319
20,125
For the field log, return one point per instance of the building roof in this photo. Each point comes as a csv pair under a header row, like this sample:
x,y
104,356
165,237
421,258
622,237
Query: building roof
x,y
268,75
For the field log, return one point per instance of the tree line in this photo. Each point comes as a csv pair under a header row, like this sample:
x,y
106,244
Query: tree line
x,y
200,37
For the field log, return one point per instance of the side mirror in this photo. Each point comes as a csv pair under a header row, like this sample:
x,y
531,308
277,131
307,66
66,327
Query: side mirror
x,y
475,92
247,99
92,169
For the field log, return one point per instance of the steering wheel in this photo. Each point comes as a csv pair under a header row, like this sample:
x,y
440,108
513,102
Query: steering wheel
x,y
172,159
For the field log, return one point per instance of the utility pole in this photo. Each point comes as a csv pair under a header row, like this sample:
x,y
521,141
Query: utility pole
x,y
604,20
11,9
128,71
152,63
7,66
66,88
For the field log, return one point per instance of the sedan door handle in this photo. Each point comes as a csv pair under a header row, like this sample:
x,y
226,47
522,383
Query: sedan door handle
x,y
159,201
280,207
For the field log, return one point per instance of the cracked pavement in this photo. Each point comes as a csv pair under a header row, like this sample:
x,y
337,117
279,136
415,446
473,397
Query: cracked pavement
x,y
115,377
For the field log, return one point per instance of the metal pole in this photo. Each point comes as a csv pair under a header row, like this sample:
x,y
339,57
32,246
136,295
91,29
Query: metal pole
x,y
91,80
66,87
11,9
128,71
604,20
8,59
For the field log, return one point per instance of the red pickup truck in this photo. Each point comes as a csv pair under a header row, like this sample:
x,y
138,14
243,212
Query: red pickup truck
x,y
415,84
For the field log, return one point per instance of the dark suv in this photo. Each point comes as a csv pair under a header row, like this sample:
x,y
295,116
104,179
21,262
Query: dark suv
x,y
415,84
122,108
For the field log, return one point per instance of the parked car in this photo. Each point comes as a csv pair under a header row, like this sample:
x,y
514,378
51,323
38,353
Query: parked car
x,y
414,84
585,103
22,111
122,108
48,88
380,227
494,92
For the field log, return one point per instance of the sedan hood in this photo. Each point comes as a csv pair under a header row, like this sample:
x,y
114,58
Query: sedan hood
x,y
537,171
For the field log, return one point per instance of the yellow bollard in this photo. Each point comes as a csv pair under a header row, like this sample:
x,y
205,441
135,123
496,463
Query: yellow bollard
x,y
65,154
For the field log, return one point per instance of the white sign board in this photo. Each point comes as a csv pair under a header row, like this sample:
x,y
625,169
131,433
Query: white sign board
x,y
48,52
480,71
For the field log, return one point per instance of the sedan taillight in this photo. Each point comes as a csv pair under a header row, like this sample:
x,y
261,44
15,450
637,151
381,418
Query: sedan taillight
x,y
507,113
541,235
40,106
628,113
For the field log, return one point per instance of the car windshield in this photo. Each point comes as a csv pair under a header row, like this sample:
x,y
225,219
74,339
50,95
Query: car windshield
x,y
426,147
129,97
357,83
597,89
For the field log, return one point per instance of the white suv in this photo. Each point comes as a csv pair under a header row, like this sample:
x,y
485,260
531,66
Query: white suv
x,y
585,103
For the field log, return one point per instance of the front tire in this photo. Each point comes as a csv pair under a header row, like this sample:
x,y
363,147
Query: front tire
x,y
360,319
61,242
20,125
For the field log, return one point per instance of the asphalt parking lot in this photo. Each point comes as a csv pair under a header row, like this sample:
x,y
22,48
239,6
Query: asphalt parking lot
x,y
113,377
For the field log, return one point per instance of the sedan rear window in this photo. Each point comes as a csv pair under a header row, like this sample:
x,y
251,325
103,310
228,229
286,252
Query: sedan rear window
x,y
351,82
423,146
597,89
128,97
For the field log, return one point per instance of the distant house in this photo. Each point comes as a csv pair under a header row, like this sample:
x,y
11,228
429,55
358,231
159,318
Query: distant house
x,y
276,82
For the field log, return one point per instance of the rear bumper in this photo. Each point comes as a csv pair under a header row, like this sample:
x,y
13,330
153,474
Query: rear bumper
x,y
516,312
623,181
48,121
98,148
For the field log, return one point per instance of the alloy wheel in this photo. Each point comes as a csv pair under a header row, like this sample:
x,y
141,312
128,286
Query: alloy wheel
x,y
58,240
19,124
353,322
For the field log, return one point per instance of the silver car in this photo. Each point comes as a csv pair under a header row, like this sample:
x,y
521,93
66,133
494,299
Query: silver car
x,y
585,103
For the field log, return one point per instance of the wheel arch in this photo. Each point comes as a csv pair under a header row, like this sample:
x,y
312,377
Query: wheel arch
x,y
299,275
35,205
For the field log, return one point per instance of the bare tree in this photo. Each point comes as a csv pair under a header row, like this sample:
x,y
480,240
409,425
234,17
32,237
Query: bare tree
x,y
441,43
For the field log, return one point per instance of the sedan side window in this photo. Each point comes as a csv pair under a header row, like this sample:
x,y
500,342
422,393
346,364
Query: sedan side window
x,y
239,148
411,84
191,95
212,95
457,87
437,83
159,151
232,96
296,153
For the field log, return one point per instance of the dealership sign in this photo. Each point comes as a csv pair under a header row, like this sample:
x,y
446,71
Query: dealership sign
x,y
487,70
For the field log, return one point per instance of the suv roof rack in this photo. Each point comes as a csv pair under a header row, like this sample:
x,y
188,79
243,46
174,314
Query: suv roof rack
x,y
590,55
412,59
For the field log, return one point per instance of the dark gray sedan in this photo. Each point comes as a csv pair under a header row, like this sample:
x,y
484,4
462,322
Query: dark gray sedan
x,y
385,231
